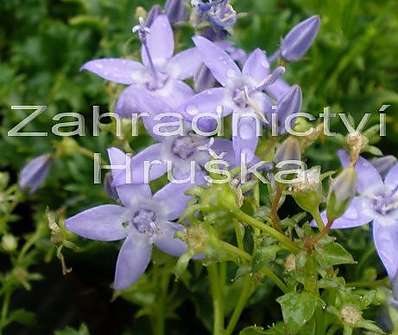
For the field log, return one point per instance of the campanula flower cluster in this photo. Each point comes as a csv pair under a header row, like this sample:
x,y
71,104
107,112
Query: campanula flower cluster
x,y
184,98
158,84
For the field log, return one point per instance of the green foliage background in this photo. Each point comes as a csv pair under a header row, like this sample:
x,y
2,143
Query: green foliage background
x,y
353,67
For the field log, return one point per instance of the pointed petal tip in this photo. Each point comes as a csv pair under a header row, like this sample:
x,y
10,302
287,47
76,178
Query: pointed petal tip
x,y
296,89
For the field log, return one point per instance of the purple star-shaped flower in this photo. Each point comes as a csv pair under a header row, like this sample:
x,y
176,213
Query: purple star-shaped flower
x,y
178,148
141,221
176,153
377,202
160,75
242,94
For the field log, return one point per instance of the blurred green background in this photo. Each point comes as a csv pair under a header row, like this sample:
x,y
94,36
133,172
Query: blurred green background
x,y
353,67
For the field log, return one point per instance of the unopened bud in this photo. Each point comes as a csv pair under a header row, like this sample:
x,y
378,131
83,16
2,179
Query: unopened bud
x,y
341,192
289,105
308,191
384,164
34,173
350,315
9,243
68,146
299,39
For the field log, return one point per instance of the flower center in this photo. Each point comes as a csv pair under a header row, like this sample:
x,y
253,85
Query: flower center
x,y
386,202
185,147
144,220
240,97
158,82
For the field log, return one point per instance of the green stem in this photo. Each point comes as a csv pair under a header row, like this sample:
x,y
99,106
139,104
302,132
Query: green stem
x,y
29,243
277,281
4,310
228,248
238,234
275,207
347,330
318,219
160,316
217,295
289,244
244,296
231,249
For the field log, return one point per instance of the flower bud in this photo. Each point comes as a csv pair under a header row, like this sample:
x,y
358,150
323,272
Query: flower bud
x,y
289,150
289,105
341,192
176,11
299,39
9,243
68,146
154,12
384,164
308,191
34,173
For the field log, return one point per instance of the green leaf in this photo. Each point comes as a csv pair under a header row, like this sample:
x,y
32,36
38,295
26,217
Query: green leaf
x,y
298,309
373,150
23,316
369,325
333,254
